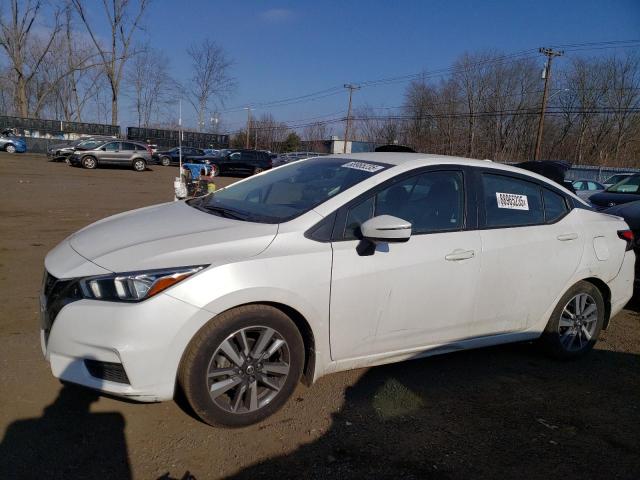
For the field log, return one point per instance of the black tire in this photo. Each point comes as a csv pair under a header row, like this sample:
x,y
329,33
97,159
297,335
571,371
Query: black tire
x,y
139,165
193,376
258,170
165,161
556,338
89,162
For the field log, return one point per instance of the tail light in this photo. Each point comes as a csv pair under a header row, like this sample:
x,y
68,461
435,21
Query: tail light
x,y
627,236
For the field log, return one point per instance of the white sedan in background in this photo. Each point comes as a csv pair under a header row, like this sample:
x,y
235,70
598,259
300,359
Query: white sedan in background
x,y
324,265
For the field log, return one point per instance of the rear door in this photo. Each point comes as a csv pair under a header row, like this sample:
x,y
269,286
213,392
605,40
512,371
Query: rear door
x,y
531,247
126,153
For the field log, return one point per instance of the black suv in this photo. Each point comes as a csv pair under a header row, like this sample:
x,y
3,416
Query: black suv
x,y
242,162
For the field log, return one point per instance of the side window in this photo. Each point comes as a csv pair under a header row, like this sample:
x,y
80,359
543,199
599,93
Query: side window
x,y
234,156
432,202
579,186
555,205
112,147
593,186
357,216
511,202
128,146
248,156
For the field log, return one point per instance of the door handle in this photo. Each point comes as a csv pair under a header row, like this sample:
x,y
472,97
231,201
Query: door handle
x,y
459,254
567,236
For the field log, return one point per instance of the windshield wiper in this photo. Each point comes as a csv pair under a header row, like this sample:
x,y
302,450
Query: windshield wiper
x,y
223,212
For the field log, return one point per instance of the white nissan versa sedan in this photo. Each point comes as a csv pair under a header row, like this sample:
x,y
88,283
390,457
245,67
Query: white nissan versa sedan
x,y
324,265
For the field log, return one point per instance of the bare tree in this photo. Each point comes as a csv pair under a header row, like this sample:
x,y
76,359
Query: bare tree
x,y
17,40
315,134
150,84
119,49
210,80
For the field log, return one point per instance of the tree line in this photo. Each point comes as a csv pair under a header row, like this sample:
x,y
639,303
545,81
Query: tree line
x,y
54,64
60,64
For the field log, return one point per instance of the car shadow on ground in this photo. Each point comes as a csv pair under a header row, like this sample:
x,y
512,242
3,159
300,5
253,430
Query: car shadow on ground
x,y
501,412
67,442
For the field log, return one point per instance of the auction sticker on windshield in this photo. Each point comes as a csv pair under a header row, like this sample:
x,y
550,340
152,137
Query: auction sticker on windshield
x,y
366,167
512,201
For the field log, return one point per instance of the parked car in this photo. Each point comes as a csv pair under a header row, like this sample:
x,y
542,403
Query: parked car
x,y
242,162
285,158
585,188
135,154
172,156
625,191
631,214
325,265
615,179
64,150
11,143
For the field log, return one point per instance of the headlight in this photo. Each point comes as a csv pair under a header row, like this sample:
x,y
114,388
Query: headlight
x,y
134,286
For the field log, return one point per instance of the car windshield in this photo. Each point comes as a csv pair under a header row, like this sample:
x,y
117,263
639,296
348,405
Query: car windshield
x,y
289,191
615,179
628,185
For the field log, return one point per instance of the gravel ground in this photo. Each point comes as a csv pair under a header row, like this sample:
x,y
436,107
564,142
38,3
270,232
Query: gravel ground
x,y
504,412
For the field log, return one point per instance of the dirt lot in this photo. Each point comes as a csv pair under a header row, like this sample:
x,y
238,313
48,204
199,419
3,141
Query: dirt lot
x,y
495,413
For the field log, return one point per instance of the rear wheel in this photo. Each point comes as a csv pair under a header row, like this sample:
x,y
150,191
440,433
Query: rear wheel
x,y
10,148
242,366
139,165
165,161
89,162
575,323
258,170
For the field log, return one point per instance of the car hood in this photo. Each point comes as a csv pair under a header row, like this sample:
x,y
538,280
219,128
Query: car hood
x,y
169,235
608,199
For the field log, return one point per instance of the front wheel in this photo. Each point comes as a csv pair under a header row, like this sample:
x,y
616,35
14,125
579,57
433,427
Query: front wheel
x,y
575,323
10,148
242,366
89,162
139,165
258,170
165,161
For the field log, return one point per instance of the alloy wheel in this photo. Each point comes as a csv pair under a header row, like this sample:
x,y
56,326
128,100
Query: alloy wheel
x,y
10,149
248,369
578,322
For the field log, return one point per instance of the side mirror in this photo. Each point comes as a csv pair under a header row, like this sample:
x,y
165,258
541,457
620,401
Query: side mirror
x,y
104,149
386,228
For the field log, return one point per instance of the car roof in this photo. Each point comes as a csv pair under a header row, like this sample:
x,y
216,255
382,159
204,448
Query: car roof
x,y
408,161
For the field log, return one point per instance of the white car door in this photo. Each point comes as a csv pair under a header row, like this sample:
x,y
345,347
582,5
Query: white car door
x,y
405,295
531,247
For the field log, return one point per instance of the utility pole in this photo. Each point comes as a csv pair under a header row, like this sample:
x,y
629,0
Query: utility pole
x,y
549,53
246,143
351,88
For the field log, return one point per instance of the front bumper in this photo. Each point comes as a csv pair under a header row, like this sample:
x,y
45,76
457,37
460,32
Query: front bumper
x,y
146,339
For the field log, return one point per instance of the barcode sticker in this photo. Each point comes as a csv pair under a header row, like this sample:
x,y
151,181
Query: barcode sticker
x,y
512,201
366,167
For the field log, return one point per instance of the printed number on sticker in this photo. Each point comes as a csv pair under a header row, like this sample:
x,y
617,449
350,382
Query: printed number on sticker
x,y
512,201
367,167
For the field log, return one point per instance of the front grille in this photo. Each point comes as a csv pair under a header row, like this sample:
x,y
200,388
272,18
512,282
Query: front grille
x,y
57,294
113,372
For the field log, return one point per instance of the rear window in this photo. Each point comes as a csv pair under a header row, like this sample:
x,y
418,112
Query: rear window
x,y
511,202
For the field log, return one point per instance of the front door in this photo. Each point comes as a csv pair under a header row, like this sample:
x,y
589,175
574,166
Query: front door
x,y
405,295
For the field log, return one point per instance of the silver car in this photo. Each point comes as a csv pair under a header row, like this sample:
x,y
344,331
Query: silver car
x,y
134,154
